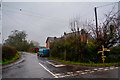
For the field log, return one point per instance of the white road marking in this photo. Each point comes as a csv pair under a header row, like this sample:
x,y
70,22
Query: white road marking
x,y
84,73
61,76
69,72
75,74
78,71
92,71
100,68
50,63
59,65
95,69
111,68
87,70
67,75
55,65
57,74
48,71
105,69
116,67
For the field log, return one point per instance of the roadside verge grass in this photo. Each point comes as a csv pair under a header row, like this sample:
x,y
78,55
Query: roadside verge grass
x,y
17,56
85,64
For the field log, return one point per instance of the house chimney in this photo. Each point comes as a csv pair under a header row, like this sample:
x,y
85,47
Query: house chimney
x,y
82,31
64,33
54,37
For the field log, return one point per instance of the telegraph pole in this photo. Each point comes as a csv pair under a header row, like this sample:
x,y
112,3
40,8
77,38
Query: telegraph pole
x,y
96,21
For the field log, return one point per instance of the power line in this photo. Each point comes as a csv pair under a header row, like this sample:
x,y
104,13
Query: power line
x,y
18,21
49,18
106,5
29,12
95,9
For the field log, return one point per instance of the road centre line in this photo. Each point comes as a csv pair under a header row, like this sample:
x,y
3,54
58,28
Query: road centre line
x,y
48,71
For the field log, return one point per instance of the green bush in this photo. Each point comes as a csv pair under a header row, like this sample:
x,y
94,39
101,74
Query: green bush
x,y
72,49
115,50
114,55
8,53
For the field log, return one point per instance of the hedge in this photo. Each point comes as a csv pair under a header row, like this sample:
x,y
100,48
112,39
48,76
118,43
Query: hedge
x,y
8,53
114,55
72,49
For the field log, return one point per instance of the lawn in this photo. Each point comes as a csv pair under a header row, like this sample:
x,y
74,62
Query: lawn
x,y
87,64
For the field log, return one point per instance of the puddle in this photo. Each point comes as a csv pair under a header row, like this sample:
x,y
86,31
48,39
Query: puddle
x,y
19,66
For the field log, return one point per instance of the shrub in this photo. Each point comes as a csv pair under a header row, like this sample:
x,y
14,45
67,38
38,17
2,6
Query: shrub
x,y
114,55
72,49
8,52
115,50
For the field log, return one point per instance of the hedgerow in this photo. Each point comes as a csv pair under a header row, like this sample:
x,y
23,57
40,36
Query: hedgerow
x,y
8,52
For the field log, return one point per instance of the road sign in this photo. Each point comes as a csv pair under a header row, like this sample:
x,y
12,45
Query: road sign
x,y
103,49
103,56
103,59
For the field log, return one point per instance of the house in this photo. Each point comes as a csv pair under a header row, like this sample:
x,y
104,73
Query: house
x,y
49,41
34,50
85,37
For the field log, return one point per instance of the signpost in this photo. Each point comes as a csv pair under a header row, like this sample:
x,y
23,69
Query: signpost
x,y
103,49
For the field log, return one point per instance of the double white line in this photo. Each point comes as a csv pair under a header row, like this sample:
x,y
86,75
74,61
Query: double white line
x,y
48,71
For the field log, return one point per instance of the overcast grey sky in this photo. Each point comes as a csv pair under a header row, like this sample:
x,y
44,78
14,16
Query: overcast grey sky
x,y
45,19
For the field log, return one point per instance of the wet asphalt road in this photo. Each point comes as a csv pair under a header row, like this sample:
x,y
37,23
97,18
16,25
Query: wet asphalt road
x,y
104,74
30,68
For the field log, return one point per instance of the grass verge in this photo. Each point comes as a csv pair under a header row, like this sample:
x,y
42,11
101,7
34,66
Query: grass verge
x,y
12,60
85,64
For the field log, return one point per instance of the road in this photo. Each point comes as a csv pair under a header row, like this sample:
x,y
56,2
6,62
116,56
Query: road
x,y
27,69
37,67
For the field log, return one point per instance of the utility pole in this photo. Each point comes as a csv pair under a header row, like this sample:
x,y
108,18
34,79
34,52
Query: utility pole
x,y
96,21
65,50
118,12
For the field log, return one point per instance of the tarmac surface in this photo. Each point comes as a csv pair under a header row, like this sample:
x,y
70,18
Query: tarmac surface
x,y
34,66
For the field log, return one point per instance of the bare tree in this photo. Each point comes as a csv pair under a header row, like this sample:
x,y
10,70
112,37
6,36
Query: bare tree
x,y
108,31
